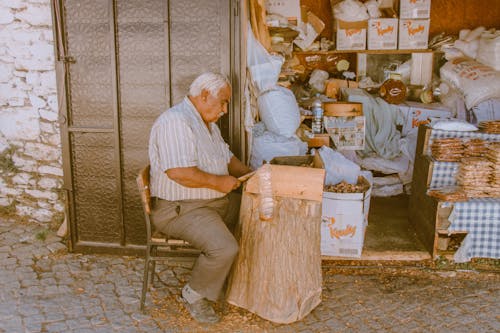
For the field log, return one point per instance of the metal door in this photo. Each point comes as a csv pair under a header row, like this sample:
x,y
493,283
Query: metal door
x,y
120,63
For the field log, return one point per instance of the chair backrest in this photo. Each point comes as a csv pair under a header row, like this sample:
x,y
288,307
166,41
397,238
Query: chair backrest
x,y
144,190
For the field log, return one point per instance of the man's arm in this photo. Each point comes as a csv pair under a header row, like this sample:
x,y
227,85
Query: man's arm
x,y
194,177
237,168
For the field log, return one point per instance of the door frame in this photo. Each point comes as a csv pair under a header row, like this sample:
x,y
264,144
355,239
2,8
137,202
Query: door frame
x,y
62,63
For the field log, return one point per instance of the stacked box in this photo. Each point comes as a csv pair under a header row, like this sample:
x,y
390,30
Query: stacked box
x,y
287,8
415,9
351,35
383,34
413,33
416,114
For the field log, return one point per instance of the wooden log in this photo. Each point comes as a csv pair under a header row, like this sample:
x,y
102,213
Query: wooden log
x,y
277,274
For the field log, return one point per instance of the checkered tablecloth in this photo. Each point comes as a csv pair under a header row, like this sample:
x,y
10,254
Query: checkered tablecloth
x,y
440,134
443,174
480,218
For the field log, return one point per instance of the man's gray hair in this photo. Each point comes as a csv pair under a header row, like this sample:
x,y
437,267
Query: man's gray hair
x,y
213,82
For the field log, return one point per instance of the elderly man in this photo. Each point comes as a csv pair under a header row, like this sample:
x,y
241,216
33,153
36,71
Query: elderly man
x,y
192,175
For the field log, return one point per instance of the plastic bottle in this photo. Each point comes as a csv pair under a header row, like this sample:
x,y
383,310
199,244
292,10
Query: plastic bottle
x,y
266,207
317,111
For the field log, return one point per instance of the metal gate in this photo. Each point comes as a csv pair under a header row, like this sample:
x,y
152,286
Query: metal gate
x,y
120,63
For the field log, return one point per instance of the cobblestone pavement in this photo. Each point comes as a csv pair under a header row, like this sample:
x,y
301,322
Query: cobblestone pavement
x,y
45,289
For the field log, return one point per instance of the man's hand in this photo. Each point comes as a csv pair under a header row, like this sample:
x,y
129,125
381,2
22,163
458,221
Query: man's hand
x,y
228,183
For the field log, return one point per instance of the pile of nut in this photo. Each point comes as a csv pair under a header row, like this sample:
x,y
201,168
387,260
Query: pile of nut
x,y
345,187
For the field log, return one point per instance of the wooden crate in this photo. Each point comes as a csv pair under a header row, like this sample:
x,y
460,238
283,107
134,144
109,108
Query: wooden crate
x,y
428,215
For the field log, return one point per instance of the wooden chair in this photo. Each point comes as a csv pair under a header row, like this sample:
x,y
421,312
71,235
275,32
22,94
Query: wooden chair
x,y
159,247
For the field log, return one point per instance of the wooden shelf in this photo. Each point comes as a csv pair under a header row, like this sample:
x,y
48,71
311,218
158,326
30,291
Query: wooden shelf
x,y
446,232
366,51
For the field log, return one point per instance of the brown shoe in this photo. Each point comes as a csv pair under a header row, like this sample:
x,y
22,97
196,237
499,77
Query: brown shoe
x,y
201,311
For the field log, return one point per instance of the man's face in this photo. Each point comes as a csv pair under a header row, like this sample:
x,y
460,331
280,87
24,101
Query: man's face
x,y
215,107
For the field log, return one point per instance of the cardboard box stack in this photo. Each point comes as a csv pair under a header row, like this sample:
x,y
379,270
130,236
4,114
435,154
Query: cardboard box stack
x,y
351,35
345,123
414,22
383,31
416,114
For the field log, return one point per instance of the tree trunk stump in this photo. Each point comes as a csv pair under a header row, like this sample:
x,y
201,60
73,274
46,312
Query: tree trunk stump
x,y
277,274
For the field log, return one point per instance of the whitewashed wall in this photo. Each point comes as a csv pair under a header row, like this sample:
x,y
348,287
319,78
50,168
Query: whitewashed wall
x,y
30,146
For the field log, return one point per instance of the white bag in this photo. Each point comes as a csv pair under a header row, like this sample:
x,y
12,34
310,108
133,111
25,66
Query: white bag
x,y
488,52
338,167
270,145
476,81
264,68
279,111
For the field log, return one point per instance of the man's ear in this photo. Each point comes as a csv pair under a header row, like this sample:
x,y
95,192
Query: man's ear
x,y
204,94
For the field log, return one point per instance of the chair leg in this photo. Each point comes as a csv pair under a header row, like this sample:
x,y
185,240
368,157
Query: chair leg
x,y
145,282
153,270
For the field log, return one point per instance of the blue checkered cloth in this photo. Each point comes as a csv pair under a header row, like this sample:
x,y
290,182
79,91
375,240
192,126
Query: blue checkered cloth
x,y
480,218
440,134
443,174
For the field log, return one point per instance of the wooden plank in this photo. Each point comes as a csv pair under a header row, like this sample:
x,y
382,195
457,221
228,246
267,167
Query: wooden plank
x,y
343,109
427,133
446,16
424,222
293,182
317,141
423,135
422,208
323,10
443,214
386,255
430,169
452,16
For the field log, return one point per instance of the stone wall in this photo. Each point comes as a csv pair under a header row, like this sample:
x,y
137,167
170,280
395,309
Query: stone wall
x,y
30,145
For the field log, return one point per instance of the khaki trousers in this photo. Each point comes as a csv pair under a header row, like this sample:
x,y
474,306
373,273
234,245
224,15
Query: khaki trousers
x,y
207,225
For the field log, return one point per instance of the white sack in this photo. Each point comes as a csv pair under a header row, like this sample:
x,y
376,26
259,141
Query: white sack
x,y
452,125
270,145
476,81
279,111
264,68
350,11
488,52
338,168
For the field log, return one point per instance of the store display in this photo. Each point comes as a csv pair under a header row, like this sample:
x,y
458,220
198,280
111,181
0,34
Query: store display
x,y
447,149
475,148
493,155
490,126
474,176
450,194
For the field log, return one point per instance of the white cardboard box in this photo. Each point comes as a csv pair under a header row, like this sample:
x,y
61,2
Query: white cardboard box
x,y
413,33
346,132
351,35
343,223
416,114
383,34
414,9
287,8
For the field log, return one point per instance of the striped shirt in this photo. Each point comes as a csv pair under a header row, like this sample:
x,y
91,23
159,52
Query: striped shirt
x,y
179,138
